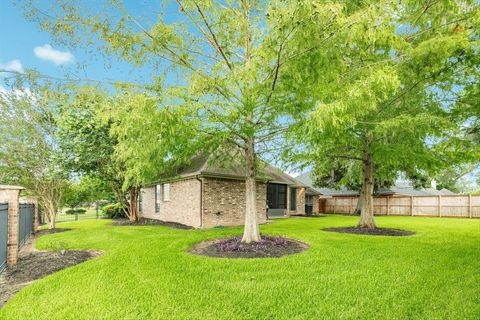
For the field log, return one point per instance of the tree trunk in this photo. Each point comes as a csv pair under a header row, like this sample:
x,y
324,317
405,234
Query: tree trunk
x,y
51,223
358,209
133,214
51,214
251,231
366,212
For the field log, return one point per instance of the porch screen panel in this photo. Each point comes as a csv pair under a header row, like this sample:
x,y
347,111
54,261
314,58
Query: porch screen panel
x,y
277,196
293,198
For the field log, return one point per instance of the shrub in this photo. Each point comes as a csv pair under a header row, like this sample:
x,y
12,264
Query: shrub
x,y
114,211
76,211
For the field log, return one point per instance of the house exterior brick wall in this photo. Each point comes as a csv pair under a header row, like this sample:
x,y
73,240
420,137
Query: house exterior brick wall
x,y
300,209
227,197
316,204
183,206
148,204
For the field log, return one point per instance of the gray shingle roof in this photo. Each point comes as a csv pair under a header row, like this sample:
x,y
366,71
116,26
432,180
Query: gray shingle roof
x,y
233,168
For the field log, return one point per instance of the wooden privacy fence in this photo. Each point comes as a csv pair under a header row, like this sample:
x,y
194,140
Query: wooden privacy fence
x,y
465,206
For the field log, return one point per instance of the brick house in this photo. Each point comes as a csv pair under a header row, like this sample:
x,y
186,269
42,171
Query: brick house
x,y
207,193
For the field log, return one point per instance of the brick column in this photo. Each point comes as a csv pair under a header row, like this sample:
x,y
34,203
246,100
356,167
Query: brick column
x,y
12,195
316,204
300,200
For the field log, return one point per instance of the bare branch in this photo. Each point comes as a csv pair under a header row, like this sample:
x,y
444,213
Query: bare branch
x,y
214,38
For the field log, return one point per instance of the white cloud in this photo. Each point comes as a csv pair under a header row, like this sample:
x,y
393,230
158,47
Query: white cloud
x,y
46,52
14,65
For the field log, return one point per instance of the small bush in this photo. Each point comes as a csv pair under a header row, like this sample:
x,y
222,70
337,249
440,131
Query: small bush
x,y
114,211
76,211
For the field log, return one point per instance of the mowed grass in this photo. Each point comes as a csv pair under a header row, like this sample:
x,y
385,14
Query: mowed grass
x,y
145,273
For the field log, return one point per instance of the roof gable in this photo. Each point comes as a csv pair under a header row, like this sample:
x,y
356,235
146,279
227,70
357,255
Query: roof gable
x,y
230,167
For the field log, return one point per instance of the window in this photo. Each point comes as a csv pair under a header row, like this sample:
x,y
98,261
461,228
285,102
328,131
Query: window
x,y
140,200
166,192
157,198
293,198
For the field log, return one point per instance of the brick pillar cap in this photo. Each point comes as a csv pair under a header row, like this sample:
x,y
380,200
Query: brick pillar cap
x,y
7,187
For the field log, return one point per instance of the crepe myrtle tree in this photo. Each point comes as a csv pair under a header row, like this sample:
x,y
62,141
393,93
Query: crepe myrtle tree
x,y
150,140
29,153
87,145
237,62
391,111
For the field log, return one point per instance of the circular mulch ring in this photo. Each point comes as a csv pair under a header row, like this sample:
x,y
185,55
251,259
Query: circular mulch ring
x,y
269,247
372,232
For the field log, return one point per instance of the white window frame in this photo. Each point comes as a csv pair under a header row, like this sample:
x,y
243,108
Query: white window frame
x,y
166,192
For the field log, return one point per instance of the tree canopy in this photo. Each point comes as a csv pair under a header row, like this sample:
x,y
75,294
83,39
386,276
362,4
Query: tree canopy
x,y
389,112
238,64
29,152
363,84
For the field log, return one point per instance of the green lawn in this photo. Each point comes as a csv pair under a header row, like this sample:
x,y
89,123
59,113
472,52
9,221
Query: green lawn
x,y
146,273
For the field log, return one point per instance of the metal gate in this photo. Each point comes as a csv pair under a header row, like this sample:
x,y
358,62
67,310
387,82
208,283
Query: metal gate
x,y
25,223
3,235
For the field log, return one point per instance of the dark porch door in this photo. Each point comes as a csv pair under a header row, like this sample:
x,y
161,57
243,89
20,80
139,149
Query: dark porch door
x,y
308,204
276,199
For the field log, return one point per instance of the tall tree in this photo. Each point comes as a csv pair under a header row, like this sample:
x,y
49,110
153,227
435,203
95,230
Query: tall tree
x,y
237,61
86,143
389,111
89,189
29,153
150,141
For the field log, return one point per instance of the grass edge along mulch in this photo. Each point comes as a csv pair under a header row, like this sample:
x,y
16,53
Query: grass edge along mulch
x,y
36,264
150,222
391,232
233,248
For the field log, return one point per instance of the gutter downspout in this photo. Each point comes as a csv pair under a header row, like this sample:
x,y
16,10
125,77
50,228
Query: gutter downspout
x,y
201,200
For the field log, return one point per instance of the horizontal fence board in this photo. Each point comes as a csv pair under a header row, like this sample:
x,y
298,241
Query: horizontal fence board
x,y
429,206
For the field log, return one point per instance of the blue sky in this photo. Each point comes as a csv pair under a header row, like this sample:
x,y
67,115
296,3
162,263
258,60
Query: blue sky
x,y
24,46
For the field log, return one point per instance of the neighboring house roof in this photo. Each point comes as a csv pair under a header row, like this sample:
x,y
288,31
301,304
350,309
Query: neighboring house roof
x,y
307,180
233,168
400,188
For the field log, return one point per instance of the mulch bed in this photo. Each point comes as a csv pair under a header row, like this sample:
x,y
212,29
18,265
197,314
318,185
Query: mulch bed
x,y
269,247
150,222
33,265
50,231
372,232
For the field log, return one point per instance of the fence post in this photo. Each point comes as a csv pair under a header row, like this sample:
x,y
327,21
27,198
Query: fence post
x,y
96,209
334,204
470,206
11,194
440,206
411,206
